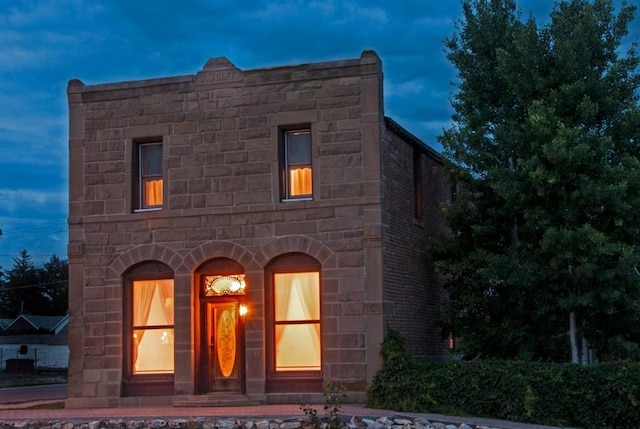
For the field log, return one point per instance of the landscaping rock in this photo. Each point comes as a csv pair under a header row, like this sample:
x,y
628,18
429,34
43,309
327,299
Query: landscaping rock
x,y
212,423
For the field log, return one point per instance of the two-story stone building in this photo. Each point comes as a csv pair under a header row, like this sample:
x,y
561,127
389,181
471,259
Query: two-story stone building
x,y
240,236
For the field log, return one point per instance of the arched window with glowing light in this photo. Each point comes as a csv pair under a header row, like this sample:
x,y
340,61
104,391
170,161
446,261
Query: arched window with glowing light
x,y
294,323
153,335
149,335
297,321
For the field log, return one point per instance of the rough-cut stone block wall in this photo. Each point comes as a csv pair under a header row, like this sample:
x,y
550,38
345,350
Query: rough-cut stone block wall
x,y
219,131
411,285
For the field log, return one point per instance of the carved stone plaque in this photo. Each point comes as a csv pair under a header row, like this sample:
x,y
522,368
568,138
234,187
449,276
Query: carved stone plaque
x,y
219,71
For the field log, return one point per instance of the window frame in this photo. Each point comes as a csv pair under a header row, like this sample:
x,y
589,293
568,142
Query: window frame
x,y
417,184
143,384
139,174
290,381
284,164
297,322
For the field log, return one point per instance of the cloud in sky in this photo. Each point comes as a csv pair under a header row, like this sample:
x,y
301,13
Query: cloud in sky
x,y
46,43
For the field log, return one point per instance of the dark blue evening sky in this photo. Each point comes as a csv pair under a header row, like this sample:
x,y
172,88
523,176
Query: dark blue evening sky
x,y
45,43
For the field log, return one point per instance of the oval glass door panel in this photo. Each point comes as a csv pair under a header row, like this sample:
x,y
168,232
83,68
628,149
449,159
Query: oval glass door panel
x,y
226,340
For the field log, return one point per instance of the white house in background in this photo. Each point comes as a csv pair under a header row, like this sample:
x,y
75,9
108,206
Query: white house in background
x,y
42,339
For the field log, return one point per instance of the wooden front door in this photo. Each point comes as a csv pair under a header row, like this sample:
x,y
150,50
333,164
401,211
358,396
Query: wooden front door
x,y
224,345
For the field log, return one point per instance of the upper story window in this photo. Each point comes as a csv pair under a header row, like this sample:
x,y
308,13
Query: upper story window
x,y
150,179
296,165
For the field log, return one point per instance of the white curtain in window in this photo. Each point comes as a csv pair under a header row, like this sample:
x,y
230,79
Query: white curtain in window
x,y
142,295
165,292
300,181
297,296
153,306
297,299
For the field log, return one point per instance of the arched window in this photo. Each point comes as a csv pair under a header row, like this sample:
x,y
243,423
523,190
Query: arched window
x,y
149,329
294,323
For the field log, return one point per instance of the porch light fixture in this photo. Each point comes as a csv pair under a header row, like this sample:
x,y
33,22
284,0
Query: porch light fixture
x,y
243,310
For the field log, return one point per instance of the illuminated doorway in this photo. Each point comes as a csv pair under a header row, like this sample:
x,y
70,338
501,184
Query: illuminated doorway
x,y
221,357
224,352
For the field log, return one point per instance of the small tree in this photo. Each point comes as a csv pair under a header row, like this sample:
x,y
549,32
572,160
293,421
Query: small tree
x,y
20,291
545,149
53,278
34,290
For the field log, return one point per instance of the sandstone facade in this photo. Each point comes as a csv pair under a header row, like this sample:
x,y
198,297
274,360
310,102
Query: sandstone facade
x,y
224,209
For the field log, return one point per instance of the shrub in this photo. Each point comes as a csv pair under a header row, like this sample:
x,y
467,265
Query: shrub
x,y
604,395
599,396
399,385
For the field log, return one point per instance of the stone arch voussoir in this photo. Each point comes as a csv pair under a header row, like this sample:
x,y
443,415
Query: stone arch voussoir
x,y
153,252
296,243
218,249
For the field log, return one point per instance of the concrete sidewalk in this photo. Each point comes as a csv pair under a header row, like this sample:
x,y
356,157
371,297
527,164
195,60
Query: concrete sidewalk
x,y
22,412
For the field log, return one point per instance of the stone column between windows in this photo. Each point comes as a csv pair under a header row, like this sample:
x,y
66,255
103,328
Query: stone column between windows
x,y
184,371
254,351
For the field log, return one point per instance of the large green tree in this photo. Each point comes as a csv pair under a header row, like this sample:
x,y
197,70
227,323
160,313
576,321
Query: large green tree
x,y
545,150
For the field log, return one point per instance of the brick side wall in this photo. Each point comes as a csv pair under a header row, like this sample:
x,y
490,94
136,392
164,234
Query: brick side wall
x,y
411,284
219,131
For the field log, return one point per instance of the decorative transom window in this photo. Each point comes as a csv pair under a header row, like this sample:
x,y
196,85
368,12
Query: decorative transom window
x,y
224,285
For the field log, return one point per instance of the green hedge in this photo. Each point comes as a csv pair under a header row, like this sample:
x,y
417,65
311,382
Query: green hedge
x,y
599,396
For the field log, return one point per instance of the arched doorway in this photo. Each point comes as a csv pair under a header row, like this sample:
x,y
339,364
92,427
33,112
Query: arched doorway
x,y
221,289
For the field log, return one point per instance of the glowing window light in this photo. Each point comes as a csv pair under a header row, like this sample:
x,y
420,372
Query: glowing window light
x,y
224,285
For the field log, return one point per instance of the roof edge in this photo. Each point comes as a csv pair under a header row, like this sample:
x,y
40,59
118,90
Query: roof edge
x,y
412,139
